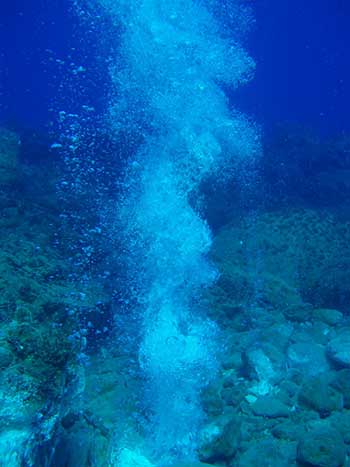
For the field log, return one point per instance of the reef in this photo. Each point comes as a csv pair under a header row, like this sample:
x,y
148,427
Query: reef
x,y
70,383
41,307
281,301
174,285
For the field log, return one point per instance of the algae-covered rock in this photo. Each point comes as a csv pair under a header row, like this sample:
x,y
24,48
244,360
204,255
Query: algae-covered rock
x,y
340,421
308,357
268,453
6,356
42,311
341,383
287,430
271,407
322,447
328,315
318,394
338,349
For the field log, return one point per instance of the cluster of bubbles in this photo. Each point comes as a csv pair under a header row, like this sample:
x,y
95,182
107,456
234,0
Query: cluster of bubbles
x,y
168,67
86,175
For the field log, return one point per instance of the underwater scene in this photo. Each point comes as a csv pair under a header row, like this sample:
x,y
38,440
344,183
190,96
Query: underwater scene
x,y
175,233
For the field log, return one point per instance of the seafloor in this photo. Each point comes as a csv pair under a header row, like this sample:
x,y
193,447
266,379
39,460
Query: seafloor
x,y
69,389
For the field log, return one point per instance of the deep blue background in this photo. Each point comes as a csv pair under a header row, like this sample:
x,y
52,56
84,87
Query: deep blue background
x,y
301,49
303,63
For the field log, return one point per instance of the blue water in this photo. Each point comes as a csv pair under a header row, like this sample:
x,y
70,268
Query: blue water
x,y
301,51
162,123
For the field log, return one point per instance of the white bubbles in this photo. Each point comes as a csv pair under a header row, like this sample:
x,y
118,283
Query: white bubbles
x,y
168,74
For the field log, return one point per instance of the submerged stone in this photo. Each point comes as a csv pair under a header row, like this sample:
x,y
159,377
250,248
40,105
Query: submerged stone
x,y
6,357
271,407
318,394
328,315
219,440
308,357
341,383
268,453
322,447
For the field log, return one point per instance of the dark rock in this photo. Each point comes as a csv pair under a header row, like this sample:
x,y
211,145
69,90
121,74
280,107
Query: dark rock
x,y
232,361
232,395
69,420
219,440
271,407
212,403
286,430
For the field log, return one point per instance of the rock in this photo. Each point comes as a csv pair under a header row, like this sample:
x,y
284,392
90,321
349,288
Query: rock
x,y
286,430
320,333
340,421
317,394
338,349
219,440
6,357
229,380
328,315
308,357
322,447
290,388
341,383
212,403
268,453
299,312
233,395
260,367
232,361
69,420
271,407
